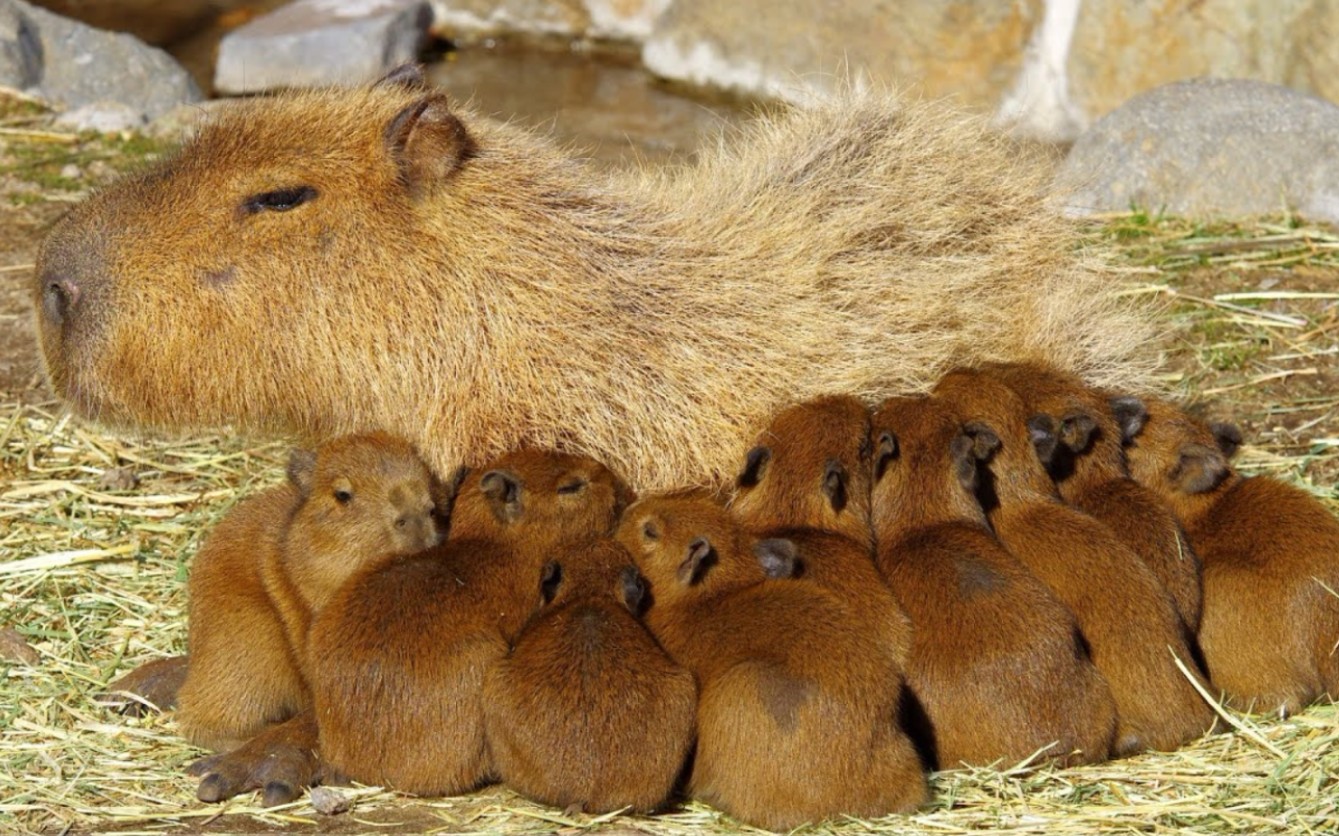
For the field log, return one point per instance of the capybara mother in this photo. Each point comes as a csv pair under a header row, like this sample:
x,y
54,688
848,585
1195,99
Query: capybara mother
x,y
335,261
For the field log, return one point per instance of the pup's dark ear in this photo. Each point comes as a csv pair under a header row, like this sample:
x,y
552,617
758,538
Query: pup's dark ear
x,y
301,470
1076,431
886,451
1228,437
503,491
778,557
755,464
550,578
632,588
834,484
408,76
1199,468
1045,435
428,143
701,554
966,465
1131,415
984,440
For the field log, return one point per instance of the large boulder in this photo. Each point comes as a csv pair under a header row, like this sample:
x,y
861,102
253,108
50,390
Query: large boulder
x,y
152,21
1209,148
114,80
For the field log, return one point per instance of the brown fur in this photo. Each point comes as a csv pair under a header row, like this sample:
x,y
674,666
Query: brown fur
x,y
796,722
1126,615
1089,468
397,659
587,710
469,286
997,661
275,560
1271,625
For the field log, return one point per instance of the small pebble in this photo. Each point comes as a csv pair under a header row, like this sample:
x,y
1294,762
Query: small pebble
x,y
15,648
118,479
71,172
329,802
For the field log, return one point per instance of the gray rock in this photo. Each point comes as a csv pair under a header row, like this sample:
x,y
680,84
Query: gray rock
x,y
329,802
1209,148
72,65
103,117
321,42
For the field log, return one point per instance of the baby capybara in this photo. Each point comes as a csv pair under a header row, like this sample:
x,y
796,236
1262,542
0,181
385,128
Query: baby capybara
x,y
397,659
997,661
1134,633
807,481
275,560
587,710
1271,562
1088,466
796,722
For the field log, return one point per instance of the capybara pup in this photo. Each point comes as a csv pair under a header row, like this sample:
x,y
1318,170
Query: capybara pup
x,y
397,658
807,481
1088,465
275,559
796,722
1271,563
336,260
587,710
997,662
1133,630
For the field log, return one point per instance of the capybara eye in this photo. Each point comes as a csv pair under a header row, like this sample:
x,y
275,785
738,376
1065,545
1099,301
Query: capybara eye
x,y
649,531
280,200
343,497
573,486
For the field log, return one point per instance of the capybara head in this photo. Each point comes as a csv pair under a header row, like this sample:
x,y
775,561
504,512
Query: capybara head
x,y
361,497
926,465
1183,459
539,496
601,570
259,236
689,545
809,468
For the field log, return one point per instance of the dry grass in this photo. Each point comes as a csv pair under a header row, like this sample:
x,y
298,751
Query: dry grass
x,y
92,570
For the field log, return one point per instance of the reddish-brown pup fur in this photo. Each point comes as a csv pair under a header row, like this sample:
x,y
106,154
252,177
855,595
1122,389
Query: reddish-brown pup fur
x,y
1271,563
997,662
275,560
807,481
397,658
587,710
796,722
1088,466
1126,615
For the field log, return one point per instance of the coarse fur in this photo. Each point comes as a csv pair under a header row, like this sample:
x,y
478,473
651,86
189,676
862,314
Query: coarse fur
x,y
796,722
587,710
1088,466
1127,617
997,663
330,261
1270,632
274,561
397,659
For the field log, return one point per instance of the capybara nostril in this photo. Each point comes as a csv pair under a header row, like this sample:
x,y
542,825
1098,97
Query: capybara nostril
x,y
59,296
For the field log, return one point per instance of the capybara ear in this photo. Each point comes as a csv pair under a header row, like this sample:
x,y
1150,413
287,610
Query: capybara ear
x,y
1228,437
1131,415
428,142
550,578
886,450
778,557
700,555
755,464
834,484
1045,437
1199,469
966,465
984,440
632,588
503,491
408,75
301,470
1076,431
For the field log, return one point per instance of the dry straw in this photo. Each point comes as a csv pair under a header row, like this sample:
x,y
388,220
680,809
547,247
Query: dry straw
x,y
96,533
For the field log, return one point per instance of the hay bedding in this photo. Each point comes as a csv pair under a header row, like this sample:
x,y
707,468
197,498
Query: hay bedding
x,y
96,532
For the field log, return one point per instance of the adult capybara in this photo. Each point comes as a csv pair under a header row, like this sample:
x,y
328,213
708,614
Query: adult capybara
x,y
1271,562
997,663
796,722
275,560
396,660
807,481
339,260
1133,630
1088,465
587,710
